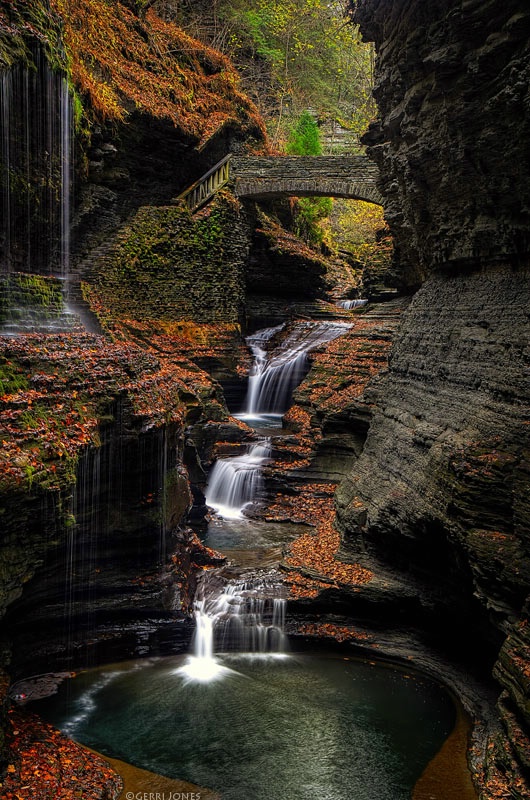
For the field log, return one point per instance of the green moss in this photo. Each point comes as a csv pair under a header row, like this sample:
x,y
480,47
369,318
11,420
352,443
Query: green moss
x,y
23,23
12,379
170,265
22,291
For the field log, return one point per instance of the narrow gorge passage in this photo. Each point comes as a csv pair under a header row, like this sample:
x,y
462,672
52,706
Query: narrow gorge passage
x,y
301,723
247,612
265,564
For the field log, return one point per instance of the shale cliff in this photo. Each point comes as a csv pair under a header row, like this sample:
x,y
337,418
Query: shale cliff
x,y
441,489
452,89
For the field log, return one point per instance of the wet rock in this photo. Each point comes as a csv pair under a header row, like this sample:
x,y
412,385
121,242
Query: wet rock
x,y
440,491
454,114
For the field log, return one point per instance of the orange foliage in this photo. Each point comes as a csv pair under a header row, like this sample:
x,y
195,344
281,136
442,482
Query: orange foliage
x,y
339,633
295,453
45,765
72,378
315,552
301,587
124,64
314,503
340,372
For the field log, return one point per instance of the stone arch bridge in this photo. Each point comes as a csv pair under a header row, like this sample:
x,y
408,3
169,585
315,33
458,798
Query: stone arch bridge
x,y
262,177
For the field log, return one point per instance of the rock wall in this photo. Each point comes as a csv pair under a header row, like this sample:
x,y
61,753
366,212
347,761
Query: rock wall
x,y
169,265
94,493
440,493
115,581
452,89
442,478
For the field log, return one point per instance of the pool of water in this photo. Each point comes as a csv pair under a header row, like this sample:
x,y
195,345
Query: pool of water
x,y
249,534
292,728
261,421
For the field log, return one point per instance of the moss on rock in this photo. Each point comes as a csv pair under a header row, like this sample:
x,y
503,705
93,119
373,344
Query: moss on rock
x,y
168,265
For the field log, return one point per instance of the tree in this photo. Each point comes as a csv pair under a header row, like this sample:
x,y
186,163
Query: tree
x,y
293,54
304,140
305,137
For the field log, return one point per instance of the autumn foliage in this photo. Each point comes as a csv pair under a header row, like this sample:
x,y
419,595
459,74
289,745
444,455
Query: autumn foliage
x,y
57,388
340,633
45,765
311,561
341,372
123,64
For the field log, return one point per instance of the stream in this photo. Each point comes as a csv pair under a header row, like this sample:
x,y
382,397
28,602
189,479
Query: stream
x,y
242,713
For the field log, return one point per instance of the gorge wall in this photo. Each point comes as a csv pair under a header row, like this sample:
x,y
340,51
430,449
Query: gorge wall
x,y
452,88
103,434
441,490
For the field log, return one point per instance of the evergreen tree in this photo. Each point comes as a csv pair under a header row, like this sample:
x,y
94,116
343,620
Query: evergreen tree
x,y
305,137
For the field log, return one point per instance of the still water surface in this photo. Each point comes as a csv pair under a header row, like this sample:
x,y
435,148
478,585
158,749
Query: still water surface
x,y
298,727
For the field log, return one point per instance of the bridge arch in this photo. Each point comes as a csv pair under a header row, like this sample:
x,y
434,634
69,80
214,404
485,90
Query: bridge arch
x,y
262,177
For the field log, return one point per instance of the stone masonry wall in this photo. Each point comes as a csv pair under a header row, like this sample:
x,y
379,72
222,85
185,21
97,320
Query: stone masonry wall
x,y
168,265
300,176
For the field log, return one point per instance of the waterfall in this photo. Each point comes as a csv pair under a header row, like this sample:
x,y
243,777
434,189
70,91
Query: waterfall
x,y
36,119
277,372
6,93
245,615
81,549
36,176
65,144
236,482
349,304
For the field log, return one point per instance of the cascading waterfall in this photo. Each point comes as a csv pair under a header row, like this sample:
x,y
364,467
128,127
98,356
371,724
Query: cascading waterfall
x,y
235,482
242,615
277,372
349,304
247,613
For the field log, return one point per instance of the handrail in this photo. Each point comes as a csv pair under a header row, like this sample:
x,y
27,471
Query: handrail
x,y
203,189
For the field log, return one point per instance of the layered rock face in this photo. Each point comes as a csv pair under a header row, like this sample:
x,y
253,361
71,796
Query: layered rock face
x,y
440,492
95,493
440,485
452,88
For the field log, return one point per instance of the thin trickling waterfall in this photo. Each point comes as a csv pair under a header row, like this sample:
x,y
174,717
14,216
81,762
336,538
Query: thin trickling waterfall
x,y
6,94
277,372
82,537
66,126
242,615
36,125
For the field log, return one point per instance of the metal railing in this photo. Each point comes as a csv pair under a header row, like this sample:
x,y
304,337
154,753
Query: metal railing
x,y
202,190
